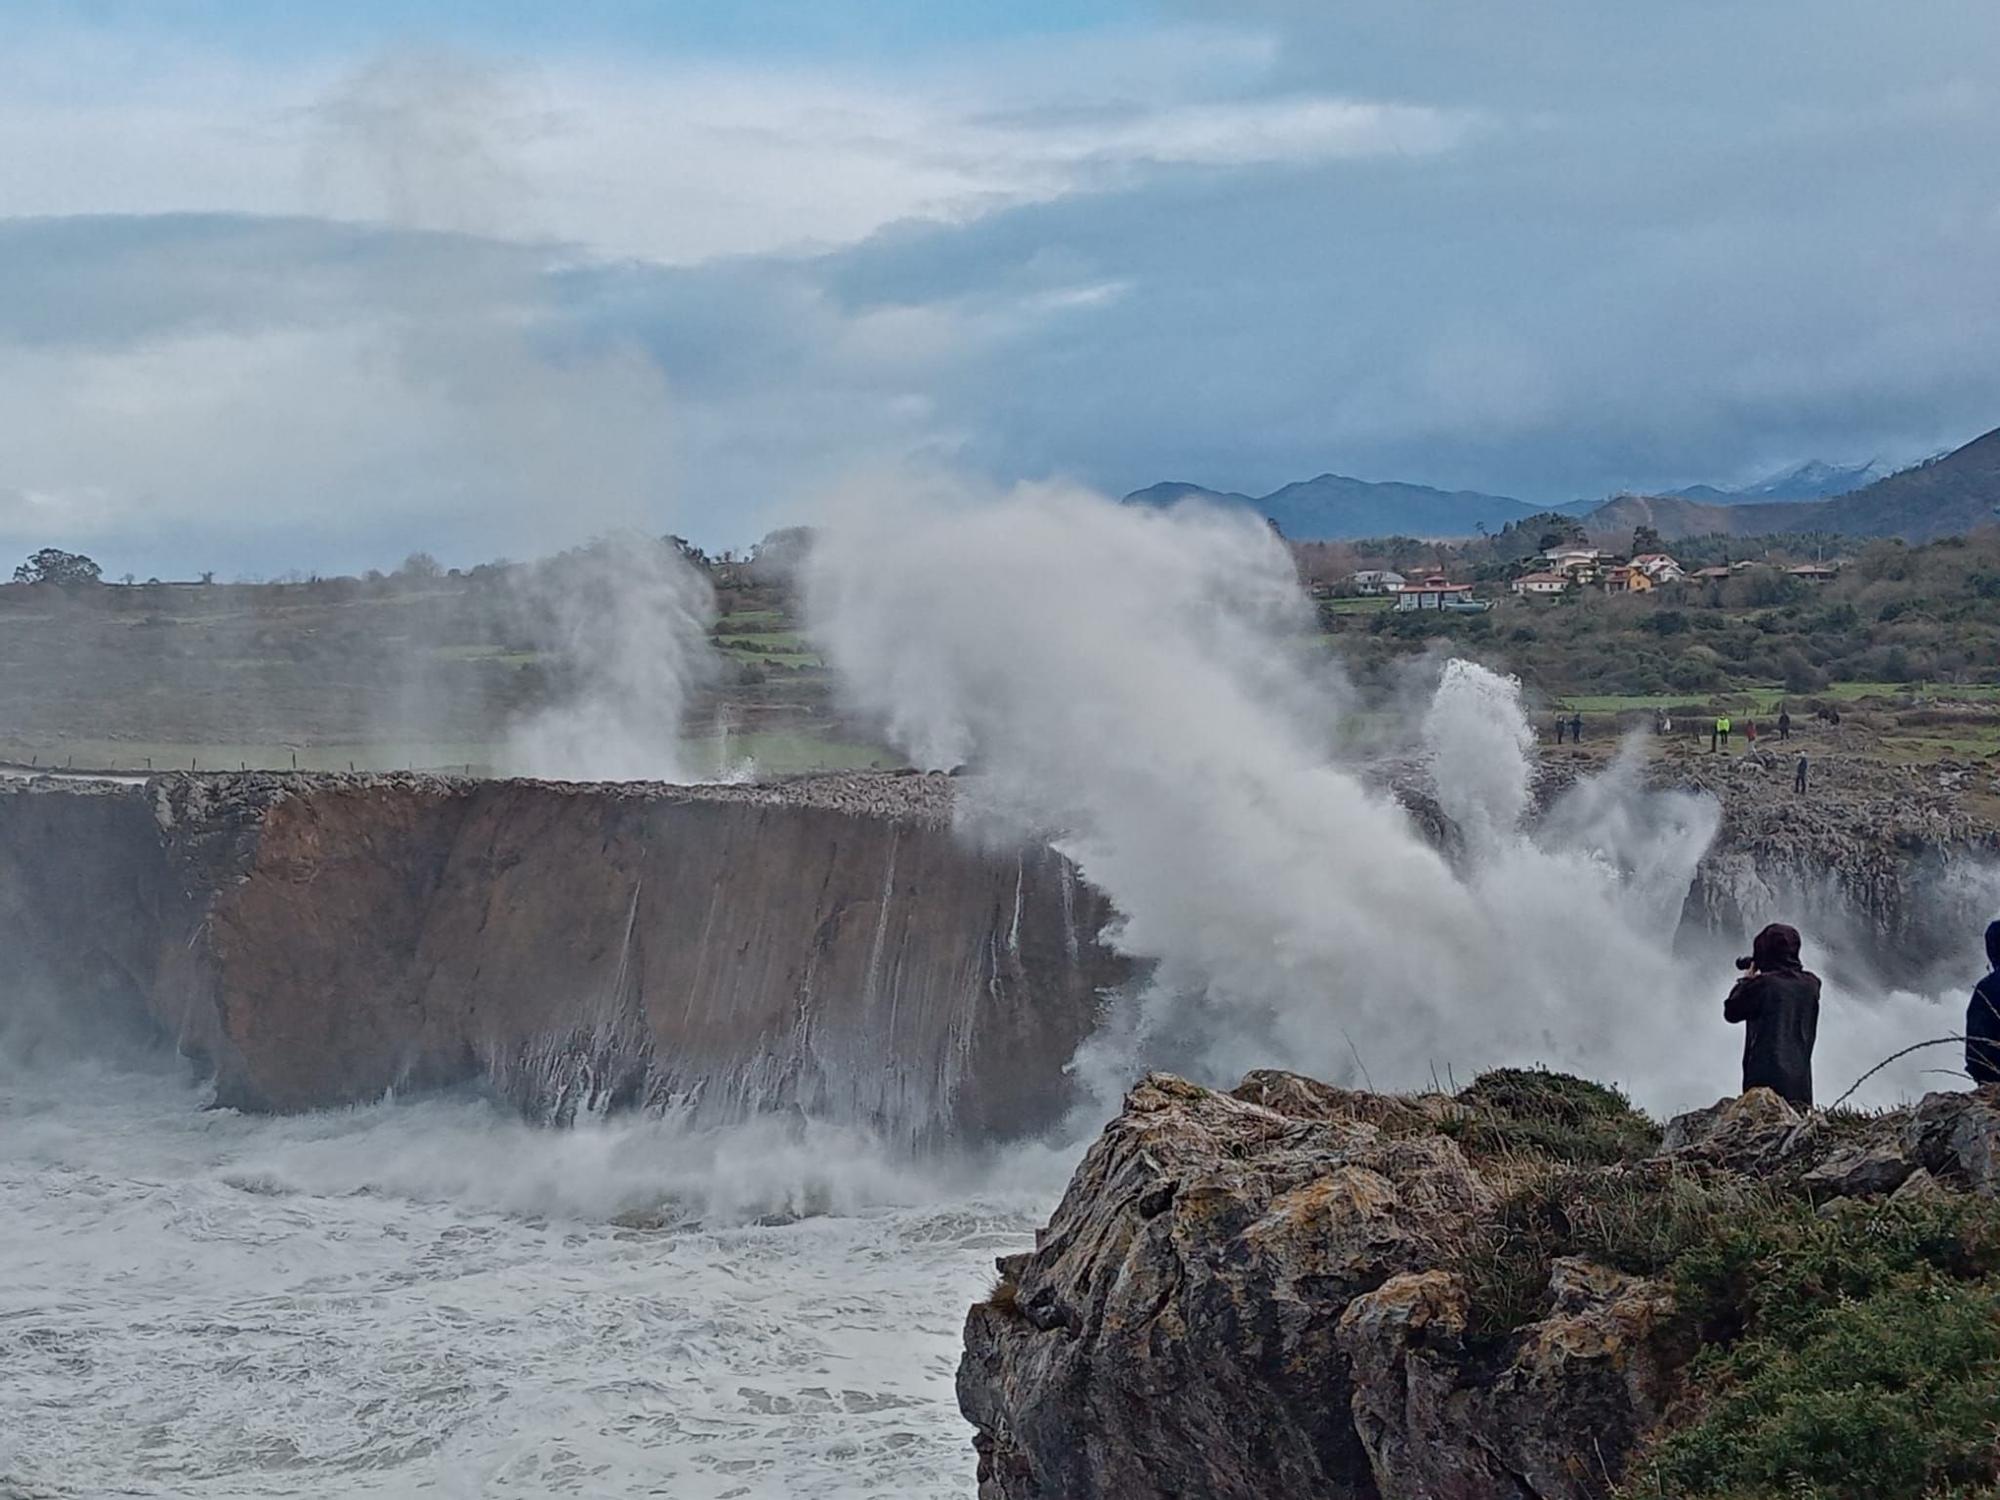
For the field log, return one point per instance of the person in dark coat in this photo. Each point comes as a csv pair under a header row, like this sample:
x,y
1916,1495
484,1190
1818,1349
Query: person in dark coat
x,y
1982,1018
1561,725
1799,775
1777,1003
1576,729
1784,724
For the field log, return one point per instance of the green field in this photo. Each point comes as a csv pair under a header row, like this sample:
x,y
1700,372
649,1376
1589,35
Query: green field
x,y
785,753
1766,699
776,753
169,755
1367,606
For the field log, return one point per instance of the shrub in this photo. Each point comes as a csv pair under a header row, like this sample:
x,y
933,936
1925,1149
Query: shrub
x,y
1855,1355
1639,1220
1553,1115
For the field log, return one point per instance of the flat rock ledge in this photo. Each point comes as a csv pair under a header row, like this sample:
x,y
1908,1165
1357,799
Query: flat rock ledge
x,y
1261,1294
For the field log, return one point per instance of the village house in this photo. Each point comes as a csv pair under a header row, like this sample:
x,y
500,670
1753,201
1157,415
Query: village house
x,y
1814,572
1659,566
1573,560
1581,565
1541,585
1627,580
1377,581
1711,575
1435,592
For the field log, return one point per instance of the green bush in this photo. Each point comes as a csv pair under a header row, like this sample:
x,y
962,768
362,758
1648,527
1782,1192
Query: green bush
x,y
1641,1220
1850,1357
1553,1115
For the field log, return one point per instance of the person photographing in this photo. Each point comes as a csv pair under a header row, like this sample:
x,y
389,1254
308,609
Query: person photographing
x,y
1777,1003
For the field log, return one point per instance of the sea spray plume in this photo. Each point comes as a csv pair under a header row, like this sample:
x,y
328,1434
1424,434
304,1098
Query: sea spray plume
x,y
1651,840
1478,744
625,622
1135,682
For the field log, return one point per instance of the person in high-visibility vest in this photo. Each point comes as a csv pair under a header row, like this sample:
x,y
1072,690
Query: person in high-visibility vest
x,y
1722,728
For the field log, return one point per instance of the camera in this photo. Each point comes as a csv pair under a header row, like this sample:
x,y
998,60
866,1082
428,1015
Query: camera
x,y
1744,963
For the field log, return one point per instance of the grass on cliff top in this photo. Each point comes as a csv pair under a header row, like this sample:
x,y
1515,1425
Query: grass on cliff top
x,y
1553,1116
1848,1357
1852,1354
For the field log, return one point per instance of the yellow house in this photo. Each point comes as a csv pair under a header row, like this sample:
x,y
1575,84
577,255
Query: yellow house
x,y
1627,581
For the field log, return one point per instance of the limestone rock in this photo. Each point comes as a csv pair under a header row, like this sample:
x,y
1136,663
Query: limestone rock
x,y
1860,1171
1281,1291
1231,1301
1576,1393
1756,1129
826,944
1190,1286
1957,1136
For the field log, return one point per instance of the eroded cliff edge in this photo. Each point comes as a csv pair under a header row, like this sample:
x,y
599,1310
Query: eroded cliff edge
x,y
1525,1292
827,944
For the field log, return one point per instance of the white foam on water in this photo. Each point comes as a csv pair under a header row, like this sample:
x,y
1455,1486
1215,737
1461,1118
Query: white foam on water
x,y
432,1299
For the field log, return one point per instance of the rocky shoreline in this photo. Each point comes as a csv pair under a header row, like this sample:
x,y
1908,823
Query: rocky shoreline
x,y
827,943
1292,1289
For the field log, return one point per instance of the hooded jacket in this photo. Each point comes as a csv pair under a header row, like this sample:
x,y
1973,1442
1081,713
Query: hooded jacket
x,y
1778,1007
1982,1017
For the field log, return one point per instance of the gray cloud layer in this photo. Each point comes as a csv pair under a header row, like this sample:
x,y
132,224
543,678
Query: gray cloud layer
x,y
1582,249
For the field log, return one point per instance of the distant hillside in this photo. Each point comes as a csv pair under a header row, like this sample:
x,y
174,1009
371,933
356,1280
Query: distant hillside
x,y
1812,480
1945,497
1334,508
1171,492
1948,496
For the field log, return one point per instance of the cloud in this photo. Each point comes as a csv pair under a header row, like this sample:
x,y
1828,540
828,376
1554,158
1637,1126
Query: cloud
x,y
674,161
483,307
373,389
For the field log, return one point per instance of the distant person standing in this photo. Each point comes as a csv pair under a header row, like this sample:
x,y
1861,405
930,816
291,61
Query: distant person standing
x,y
1750,733
1982,1018
1784,724
1799,775
1561,723
1722,727
1777,1003
1576,729
1715,737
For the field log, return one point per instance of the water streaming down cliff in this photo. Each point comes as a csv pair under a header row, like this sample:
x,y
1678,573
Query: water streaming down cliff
x,y
828,947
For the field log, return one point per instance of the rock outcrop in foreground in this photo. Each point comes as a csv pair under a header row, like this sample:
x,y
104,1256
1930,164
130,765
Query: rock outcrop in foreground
x,y
1294,1290
825,944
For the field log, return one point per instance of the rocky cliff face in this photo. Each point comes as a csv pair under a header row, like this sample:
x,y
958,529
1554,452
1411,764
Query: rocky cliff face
x,y
1888,863
827,945
1890,867
1291,1289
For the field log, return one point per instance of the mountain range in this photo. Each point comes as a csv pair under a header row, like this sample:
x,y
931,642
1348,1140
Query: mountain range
x,y
1811,480
1943,496
1333,507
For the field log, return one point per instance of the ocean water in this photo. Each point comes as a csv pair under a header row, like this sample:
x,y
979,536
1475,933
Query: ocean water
x,y
434,1299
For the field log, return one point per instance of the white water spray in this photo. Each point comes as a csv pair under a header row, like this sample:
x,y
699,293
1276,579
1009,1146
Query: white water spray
x,y
624,621
1140,685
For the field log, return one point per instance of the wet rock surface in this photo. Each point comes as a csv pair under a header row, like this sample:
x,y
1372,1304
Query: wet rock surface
x,y
1267,1292
826,944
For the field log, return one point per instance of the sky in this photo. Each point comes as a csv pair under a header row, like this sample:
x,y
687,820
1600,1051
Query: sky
x,y
308,288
